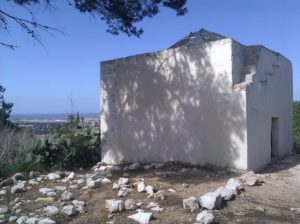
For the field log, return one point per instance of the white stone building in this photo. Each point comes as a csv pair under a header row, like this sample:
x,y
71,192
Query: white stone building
x,y
206,100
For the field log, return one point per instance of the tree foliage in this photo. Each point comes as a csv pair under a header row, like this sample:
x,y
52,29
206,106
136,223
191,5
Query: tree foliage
x,y
73,145
296,125
121,16
5,110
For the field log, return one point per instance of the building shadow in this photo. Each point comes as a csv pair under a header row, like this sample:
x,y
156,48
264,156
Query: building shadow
x,y
172,105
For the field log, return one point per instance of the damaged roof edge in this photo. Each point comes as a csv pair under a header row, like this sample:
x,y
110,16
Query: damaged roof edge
x,y
195,38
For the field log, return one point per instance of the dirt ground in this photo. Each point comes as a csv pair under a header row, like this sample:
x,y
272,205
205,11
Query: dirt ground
x,y
270,202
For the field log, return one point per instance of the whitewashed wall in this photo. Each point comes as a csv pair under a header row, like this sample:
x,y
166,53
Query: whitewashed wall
x,y
269,95
177,104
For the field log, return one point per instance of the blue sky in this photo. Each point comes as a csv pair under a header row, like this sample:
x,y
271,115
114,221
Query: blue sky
x,y
43,81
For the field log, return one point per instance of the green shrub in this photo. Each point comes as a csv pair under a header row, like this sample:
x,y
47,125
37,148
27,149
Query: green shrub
x,y
296,126
73,145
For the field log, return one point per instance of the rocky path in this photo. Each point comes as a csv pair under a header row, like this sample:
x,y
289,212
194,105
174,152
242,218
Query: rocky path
x,y
155,193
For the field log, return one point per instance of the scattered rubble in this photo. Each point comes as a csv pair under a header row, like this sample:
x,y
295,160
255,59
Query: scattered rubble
x,y
53,176
51,210
3,209
100,176
141,186
114,205
60,188
13,218
45,190
130,204
251,179
134,166
150,190
226,193
123,181
69,210
124,191
211,200
22,219
191,203
79,205
205,217
46,221
18,187
66,196
234,184
155,207
161,194
141,217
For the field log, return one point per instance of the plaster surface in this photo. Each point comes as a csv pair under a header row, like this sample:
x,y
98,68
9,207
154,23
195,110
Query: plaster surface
x,y
202,101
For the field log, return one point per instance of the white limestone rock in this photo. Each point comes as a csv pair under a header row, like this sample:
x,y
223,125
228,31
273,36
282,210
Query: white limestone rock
x,y
79,206
66,196
124,191
154,206
22,219
46,221
60,188
134,166
47,199
123,181
51,193
105,181
226,193
71,176
211,200
115,186
45,190
251,179
114,205
141,186
78,203
53,176
205,217
51,210
93,184
147,167
19,187
141,217
157,209
33,182
74,186
234,184
171,191
18,211
150,190
95,177
13,218
79,181
130,204
69,210
32,220
159,165
3,192
190,203
3,209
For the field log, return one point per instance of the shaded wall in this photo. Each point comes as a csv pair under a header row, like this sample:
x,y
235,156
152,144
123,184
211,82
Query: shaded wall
x,y
176,104
269,96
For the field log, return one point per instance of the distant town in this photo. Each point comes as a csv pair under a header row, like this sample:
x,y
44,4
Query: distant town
x,y
42,124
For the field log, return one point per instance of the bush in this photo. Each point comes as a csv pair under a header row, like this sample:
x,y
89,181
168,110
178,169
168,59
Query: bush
x,y
14,144
296,126
72,145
